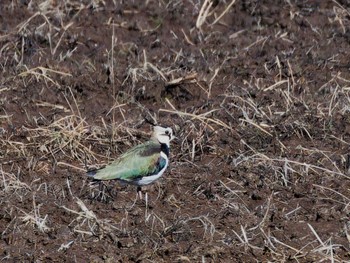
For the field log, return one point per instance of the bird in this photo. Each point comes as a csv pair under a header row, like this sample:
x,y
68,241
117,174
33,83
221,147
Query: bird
x,y
142,164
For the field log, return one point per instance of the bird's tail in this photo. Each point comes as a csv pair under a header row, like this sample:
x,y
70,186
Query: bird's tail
x,y
91,174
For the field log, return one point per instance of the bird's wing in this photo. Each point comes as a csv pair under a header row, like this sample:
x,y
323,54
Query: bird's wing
x,y
140,161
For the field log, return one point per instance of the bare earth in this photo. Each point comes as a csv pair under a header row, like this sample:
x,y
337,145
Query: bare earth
x,y
258,94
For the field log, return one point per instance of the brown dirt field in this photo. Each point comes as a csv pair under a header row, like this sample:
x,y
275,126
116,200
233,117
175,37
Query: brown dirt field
x,y
259,99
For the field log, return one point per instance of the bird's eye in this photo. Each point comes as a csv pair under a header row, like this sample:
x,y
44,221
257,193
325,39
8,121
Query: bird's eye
x,y
166,132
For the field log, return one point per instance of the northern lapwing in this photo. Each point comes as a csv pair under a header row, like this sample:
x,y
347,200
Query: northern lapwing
x,y
142,164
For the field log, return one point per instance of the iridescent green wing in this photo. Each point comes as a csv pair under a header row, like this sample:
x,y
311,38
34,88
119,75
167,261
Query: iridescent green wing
x,y
138,162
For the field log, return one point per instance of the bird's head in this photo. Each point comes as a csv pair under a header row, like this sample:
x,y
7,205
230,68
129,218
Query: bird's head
x,y
163,135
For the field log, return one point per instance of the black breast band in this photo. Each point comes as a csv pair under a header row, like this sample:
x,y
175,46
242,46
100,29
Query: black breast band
x,y
165,149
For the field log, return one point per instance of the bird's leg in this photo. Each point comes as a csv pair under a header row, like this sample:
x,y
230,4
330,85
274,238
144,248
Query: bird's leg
x,y
138,195
139,192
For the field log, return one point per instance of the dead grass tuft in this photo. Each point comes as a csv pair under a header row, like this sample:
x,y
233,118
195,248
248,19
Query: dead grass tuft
x,y
257,93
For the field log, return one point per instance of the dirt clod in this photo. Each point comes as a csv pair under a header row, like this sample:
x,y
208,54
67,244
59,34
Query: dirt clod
x,y
256,92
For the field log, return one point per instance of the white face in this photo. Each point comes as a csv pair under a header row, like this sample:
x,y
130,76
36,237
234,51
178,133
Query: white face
x,y
163,135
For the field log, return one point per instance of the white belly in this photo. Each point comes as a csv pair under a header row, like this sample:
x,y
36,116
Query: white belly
x,y
150,179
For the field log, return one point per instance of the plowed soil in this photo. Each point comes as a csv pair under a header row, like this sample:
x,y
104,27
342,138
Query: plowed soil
x,y
257,93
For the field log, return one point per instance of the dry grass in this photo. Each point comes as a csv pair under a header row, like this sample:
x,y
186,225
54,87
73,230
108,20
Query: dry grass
x,y
260,167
